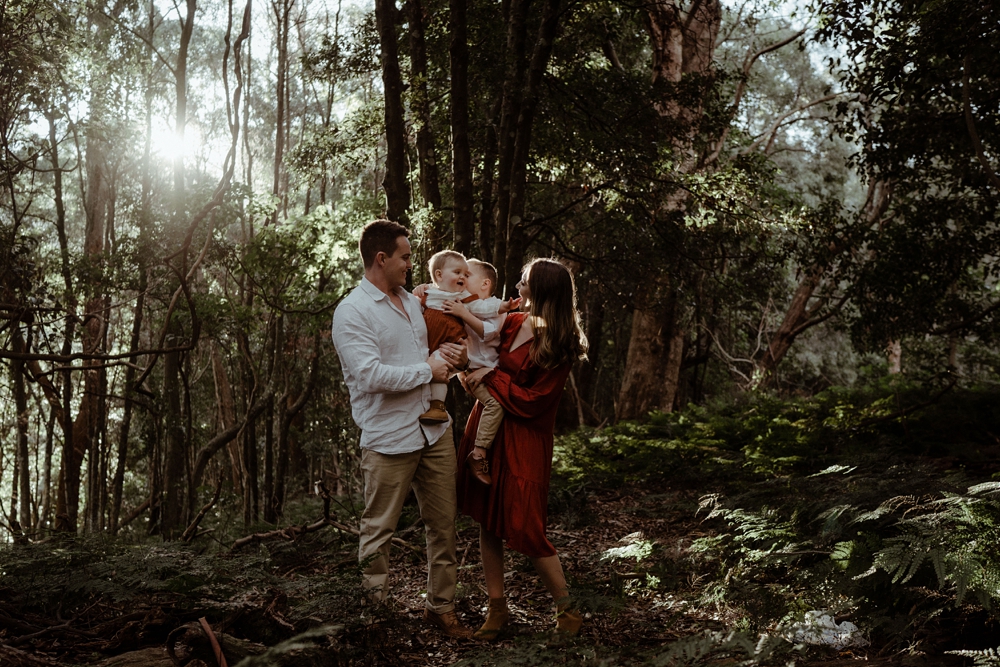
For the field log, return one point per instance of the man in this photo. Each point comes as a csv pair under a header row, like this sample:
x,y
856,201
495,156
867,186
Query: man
x,y
381,340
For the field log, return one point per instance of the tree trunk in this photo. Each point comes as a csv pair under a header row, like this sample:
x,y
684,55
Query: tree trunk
x,y
174,484
46,491
486,196
96,208
289,411
430,188
895,357
461,160
227,415
801,313
683,43
269,515
396,191
655,353
282,12
276,367
594,318
251,506
145,214
180,105
154,430
509,110
516,239
22,481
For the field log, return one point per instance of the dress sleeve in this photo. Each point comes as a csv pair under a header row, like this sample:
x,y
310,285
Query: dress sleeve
x,y
528,401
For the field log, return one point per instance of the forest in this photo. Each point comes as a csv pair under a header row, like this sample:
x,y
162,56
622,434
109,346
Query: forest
x,y
783,219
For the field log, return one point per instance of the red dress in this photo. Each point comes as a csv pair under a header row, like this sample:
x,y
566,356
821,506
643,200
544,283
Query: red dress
x,y
515,506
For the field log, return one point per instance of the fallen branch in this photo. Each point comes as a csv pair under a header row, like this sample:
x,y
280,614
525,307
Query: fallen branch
x,y
216,649
134,514
190,531
12,657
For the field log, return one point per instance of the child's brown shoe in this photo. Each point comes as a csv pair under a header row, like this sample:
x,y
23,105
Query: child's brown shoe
x,y
479,467
436,415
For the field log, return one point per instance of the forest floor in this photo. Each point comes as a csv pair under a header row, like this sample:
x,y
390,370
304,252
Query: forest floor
x,y
626,619
691,540
629,617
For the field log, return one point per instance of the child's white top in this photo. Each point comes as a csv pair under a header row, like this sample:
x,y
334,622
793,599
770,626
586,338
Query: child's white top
x,y
484,352
481,308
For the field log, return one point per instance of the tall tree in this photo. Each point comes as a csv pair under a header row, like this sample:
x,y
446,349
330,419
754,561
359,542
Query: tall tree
x,y
397,191
683,45
461,159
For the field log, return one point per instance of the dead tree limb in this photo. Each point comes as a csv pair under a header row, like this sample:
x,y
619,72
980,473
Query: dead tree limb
x,y
292,533
190,531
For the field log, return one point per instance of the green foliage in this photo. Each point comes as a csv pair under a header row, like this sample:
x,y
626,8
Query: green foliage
x,y
858,521
75,573
986,658
313,648
928,113
774,437
957,534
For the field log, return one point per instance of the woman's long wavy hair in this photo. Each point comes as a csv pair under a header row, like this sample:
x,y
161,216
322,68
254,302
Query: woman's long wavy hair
x,y
555,322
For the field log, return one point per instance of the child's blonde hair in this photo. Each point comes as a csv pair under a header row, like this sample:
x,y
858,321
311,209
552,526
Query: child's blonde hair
x,y
439,259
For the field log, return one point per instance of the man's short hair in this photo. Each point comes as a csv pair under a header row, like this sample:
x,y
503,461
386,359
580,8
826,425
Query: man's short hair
x,y
488,270
439,259
380,236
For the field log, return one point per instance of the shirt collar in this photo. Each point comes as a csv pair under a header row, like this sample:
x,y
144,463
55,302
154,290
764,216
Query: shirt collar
x,y
375,293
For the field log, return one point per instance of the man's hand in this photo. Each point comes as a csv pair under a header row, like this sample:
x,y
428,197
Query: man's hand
x,y
510,304
456,354
440,370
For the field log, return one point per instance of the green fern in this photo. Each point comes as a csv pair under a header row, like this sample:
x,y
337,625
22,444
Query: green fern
x,y
698,649
957,534
986,658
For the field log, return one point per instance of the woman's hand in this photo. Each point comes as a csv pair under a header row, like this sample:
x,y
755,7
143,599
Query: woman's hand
x,y
474,379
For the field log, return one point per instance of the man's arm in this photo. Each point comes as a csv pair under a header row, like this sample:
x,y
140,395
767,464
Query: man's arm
x,y
357,347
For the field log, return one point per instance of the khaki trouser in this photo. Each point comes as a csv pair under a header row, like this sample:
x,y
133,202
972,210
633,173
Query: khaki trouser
x,y
388,478
490,420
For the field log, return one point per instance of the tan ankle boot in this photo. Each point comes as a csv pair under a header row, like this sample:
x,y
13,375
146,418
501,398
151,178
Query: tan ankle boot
x,y
496,620
568,619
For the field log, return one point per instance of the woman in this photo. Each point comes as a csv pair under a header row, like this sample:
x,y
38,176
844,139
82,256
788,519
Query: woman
x,y
537,350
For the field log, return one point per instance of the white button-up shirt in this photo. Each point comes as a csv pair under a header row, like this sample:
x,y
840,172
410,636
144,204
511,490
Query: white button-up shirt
x,y
384,358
